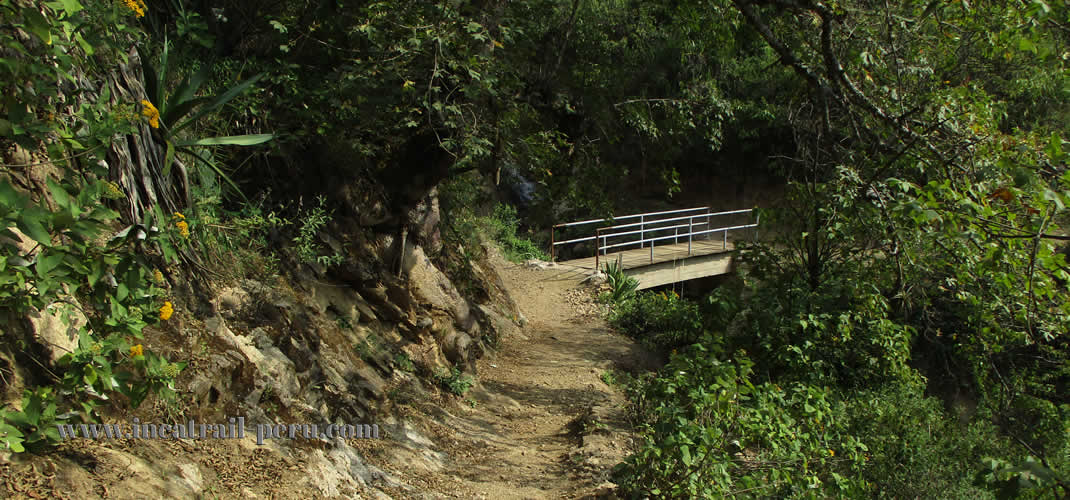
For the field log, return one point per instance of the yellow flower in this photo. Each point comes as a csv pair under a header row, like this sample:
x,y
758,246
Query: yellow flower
x,y
178,215
832,453
136,6
136,350
166,311
157,276
183,228
150,112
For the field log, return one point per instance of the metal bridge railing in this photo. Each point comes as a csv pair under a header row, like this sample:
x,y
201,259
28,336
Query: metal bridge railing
x,y
649,225
642,220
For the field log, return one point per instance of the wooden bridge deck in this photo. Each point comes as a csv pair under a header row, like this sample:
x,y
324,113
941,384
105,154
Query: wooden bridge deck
x,y
640,257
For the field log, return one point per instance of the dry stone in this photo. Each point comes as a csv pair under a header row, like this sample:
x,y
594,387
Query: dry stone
x,y
430,285
504,327
274,367
457,346
232,300
56,328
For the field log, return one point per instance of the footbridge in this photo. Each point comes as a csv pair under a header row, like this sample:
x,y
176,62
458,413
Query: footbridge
x,y
657,248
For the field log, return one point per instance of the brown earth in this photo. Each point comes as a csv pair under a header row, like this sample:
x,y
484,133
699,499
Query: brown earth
x,y
542,423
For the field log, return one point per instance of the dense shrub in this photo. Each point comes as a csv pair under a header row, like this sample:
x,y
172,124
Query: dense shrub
x,y
661,320
710,432
502,226
917,450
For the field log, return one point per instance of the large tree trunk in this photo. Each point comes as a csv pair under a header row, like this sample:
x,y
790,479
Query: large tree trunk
x,y
136,161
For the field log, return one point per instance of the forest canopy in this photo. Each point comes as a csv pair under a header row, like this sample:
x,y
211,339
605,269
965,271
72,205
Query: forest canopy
x,y
912,273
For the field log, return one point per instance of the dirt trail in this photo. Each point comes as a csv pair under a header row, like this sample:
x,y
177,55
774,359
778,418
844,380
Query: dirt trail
x,y
544,424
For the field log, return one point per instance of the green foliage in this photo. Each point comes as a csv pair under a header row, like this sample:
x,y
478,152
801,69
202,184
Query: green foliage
x,y
660,320
464,230
622,287
367,348
109,280
237,240
608,377
460,196
454,381
916,449
710,432
404,363
184,108
1033,478
65,38
502,226
307,246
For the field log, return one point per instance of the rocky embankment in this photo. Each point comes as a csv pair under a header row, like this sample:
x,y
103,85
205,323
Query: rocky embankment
x,y
362,347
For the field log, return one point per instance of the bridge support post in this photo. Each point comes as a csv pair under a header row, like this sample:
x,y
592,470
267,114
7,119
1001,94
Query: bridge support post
x,y
725,245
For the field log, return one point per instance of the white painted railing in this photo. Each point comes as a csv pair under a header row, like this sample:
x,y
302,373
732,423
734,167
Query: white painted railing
x,y
696,225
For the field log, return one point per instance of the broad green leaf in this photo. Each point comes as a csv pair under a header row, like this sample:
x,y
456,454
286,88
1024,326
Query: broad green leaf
x,y
169,159
233,140
89,375
47,261
59,195
1055,147
69,6
9,198
152,78
1053,196
85,45
37,24
32,225
215,168
219,101
182,100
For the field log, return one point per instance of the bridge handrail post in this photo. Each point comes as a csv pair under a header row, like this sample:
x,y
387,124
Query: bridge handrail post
x,y
597,247
642,230
725,245
709,221
552,243
757,219
690,230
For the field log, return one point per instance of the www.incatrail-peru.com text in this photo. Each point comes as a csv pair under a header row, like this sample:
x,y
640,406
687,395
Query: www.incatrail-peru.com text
x,y
234,428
